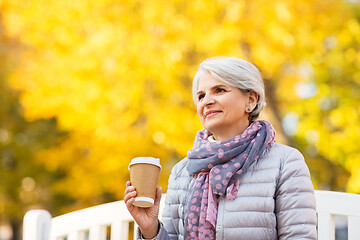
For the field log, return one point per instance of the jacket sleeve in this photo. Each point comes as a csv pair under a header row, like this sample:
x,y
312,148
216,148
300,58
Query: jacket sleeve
x,y
295,207
162,234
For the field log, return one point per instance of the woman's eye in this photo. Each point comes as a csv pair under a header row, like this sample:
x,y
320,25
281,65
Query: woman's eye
x,y
219,90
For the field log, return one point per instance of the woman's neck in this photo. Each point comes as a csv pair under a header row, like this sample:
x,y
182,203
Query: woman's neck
x,y
231,133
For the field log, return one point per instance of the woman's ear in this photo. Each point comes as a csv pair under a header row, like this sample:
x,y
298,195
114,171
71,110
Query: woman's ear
x,y
252,101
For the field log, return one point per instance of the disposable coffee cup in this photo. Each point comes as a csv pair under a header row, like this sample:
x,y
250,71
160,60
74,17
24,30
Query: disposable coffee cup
x,y
144,176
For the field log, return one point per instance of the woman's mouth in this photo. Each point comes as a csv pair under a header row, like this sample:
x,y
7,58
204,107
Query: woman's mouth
x,y
210,114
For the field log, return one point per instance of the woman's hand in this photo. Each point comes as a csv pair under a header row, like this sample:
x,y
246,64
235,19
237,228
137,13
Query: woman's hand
x,y
146,218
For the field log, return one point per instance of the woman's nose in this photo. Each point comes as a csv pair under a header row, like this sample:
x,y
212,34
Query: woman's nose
x,y
208,99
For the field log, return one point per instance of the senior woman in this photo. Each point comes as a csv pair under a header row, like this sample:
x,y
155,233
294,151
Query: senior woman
x,y
236,182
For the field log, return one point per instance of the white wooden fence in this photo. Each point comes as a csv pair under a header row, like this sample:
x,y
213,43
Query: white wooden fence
x,y
111,221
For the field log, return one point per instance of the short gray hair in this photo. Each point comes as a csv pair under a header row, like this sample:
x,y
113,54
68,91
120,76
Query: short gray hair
x,y
237,73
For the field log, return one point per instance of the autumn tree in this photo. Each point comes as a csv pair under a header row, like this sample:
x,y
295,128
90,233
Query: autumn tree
x,y
23,180
117,77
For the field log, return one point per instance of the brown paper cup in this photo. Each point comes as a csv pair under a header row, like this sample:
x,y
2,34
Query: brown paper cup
x,y
144,176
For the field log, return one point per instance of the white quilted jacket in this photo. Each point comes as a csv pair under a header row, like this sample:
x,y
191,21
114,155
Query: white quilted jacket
x,y
275,200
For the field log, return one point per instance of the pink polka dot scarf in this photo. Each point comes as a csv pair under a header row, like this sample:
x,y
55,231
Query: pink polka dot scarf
x,y
216,167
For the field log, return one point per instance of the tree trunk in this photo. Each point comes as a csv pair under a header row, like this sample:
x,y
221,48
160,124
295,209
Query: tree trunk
x,y
16,230
273,105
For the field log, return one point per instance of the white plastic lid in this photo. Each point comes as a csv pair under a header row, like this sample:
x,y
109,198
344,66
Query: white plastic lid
x,y
148,160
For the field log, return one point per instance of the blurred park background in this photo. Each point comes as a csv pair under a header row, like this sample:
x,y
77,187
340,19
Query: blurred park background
x,y
88,85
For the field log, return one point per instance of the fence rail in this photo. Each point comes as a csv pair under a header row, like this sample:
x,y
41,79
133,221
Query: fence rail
x,y
113,221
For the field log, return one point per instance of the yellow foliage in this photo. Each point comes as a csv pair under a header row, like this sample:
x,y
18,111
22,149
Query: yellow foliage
x,y
117,75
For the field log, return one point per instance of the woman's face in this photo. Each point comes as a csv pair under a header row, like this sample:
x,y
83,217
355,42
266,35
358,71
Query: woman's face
x,y
222,108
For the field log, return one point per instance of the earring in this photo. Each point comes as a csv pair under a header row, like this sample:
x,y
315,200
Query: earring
x,y
248,109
